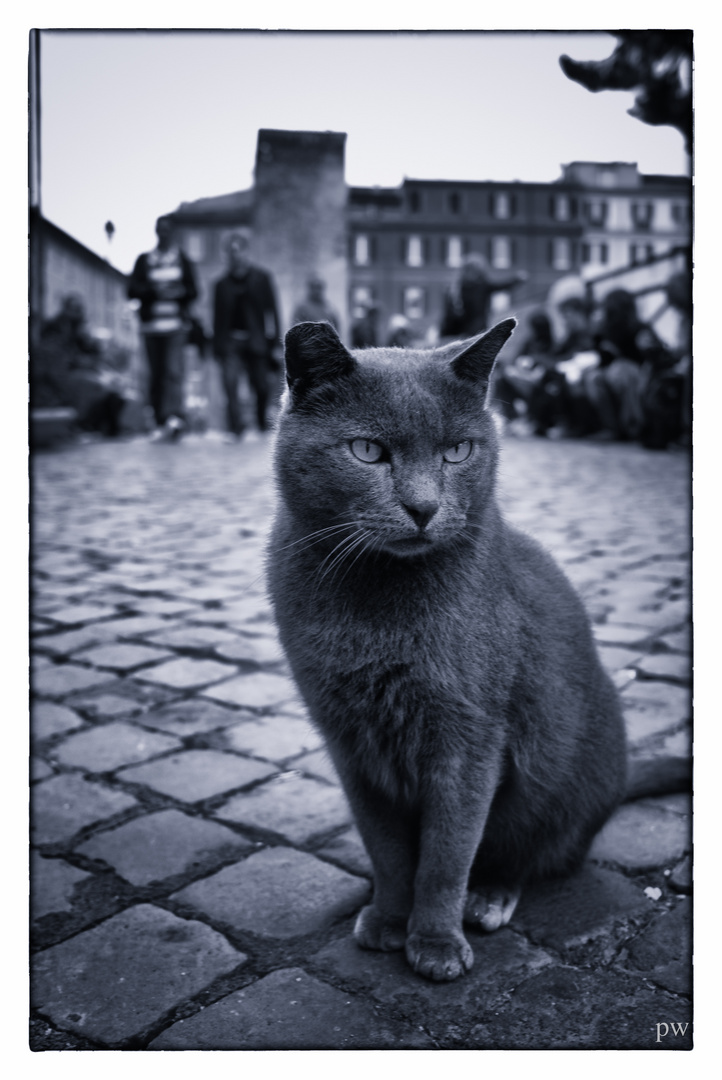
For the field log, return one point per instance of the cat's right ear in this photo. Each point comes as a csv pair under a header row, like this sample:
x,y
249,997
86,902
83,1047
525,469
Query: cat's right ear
x,y
314,354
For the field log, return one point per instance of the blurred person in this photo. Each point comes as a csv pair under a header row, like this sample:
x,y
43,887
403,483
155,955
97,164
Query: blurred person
x,y
468,300
515,381
315,307
399,333
364,334
69,369
164,282
633,362
246,331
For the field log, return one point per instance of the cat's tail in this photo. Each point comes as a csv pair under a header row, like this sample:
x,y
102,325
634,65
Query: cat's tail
x,y
664,775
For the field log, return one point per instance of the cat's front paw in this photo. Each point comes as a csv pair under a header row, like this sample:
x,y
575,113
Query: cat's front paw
x,y
376,931
439,958
490,908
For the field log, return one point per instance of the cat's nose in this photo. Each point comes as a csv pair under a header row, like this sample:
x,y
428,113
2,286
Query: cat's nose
x,y
421,511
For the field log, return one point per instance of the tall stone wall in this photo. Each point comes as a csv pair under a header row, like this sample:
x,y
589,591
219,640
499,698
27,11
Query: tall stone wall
x,y
299,215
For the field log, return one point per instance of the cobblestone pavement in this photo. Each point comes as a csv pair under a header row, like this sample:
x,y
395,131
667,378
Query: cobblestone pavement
x,y
195,869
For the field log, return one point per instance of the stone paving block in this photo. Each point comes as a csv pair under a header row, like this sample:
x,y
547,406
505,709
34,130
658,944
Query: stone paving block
x,y
75,614
615,659
135,625
52,883
185,673
581,908
666,666
156,605
681,877
191,717
264,649
101,749
348,850
108,706
214,591
114,981
663,950
251,609
290,1010
643,835
664,704
197,774
39,770
501,961
277,893
47,718
123,657
63,679
258,690
612,634
294,807
72,641
191,637
562,1008
167,583
62,806
161,845
277,738
317,763
680,640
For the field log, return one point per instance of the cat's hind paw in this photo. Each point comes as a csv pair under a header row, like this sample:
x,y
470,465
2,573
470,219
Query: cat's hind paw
x,y
376,931
441,959
489,909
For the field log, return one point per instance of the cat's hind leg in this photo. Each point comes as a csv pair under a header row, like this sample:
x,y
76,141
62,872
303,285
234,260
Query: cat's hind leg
x,y
490,908
376,931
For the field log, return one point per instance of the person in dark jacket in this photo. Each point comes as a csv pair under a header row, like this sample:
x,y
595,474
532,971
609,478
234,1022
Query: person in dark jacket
x,y
164,282
467,302
246,329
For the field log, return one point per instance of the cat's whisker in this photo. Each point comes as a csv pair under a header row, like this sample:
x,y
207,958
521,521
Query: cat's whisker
x,y
339,553
321,534
361,543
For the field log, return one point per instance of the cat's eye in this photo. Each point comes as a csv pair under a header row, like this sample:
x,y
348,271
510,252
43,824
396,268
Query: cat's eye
x,y
367,451
458,453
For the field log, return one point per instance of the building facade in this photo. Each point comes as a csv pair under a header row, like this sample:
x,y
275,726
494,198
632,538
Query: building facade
x,y
406,244
400,248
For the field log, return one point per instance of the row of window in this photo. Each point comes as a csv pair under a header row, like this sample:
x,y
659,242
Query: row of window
x,y
503,206
416,251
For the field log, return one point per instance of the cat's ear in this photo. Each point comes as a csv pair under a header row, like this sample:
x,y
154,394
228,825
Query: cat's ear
x,y
475,363
314,354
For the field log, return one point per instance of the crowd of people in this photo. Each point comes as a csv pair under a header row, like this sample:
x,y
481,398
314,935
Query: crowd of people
x,y
583,369
607,375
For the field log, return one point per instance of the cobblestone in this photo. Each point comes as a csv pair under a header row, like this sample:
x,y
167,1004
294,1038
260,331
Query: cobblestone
x,y
195,869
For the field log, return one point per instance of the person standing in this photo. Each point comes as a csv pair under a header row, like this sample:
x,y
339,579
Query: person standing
x,y
164,282
246,329
315,307
467,302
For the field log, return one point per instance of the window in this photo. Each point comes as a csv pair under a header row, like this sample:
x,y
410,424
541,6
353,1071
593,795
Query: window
x,y
415,251
414,302
680,213
454,251
586,253
596,212
361,297
194,245
595,254
560,254
640,253
362,250
501,252
414,202
561,208
642,214
454,202
501,205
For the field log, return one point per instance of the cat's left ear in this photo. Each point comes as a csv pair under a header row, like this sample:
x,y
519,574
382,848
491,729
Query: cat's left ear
x,y
314,354
475,363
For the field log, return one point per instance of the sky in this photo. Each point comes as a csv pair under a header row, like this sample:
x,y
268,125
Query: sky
x,y
136,122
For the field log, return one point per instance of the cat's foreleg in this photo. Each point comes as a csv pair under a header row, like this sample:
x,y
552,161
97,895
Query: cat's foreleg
x,y
388,839
452,827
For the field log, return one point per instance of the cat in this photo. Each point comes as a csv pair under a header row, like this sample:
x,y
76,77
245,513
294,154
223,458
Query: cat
x,y
443,655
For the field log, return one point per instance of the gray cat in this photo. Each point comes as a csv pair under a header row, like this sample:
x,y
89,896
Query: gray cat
x,y
443,655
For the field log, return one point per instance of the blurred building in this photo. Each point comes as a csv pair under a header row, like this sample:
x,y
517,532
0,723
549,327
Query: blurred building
x,y
407,243
59,265
401,247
